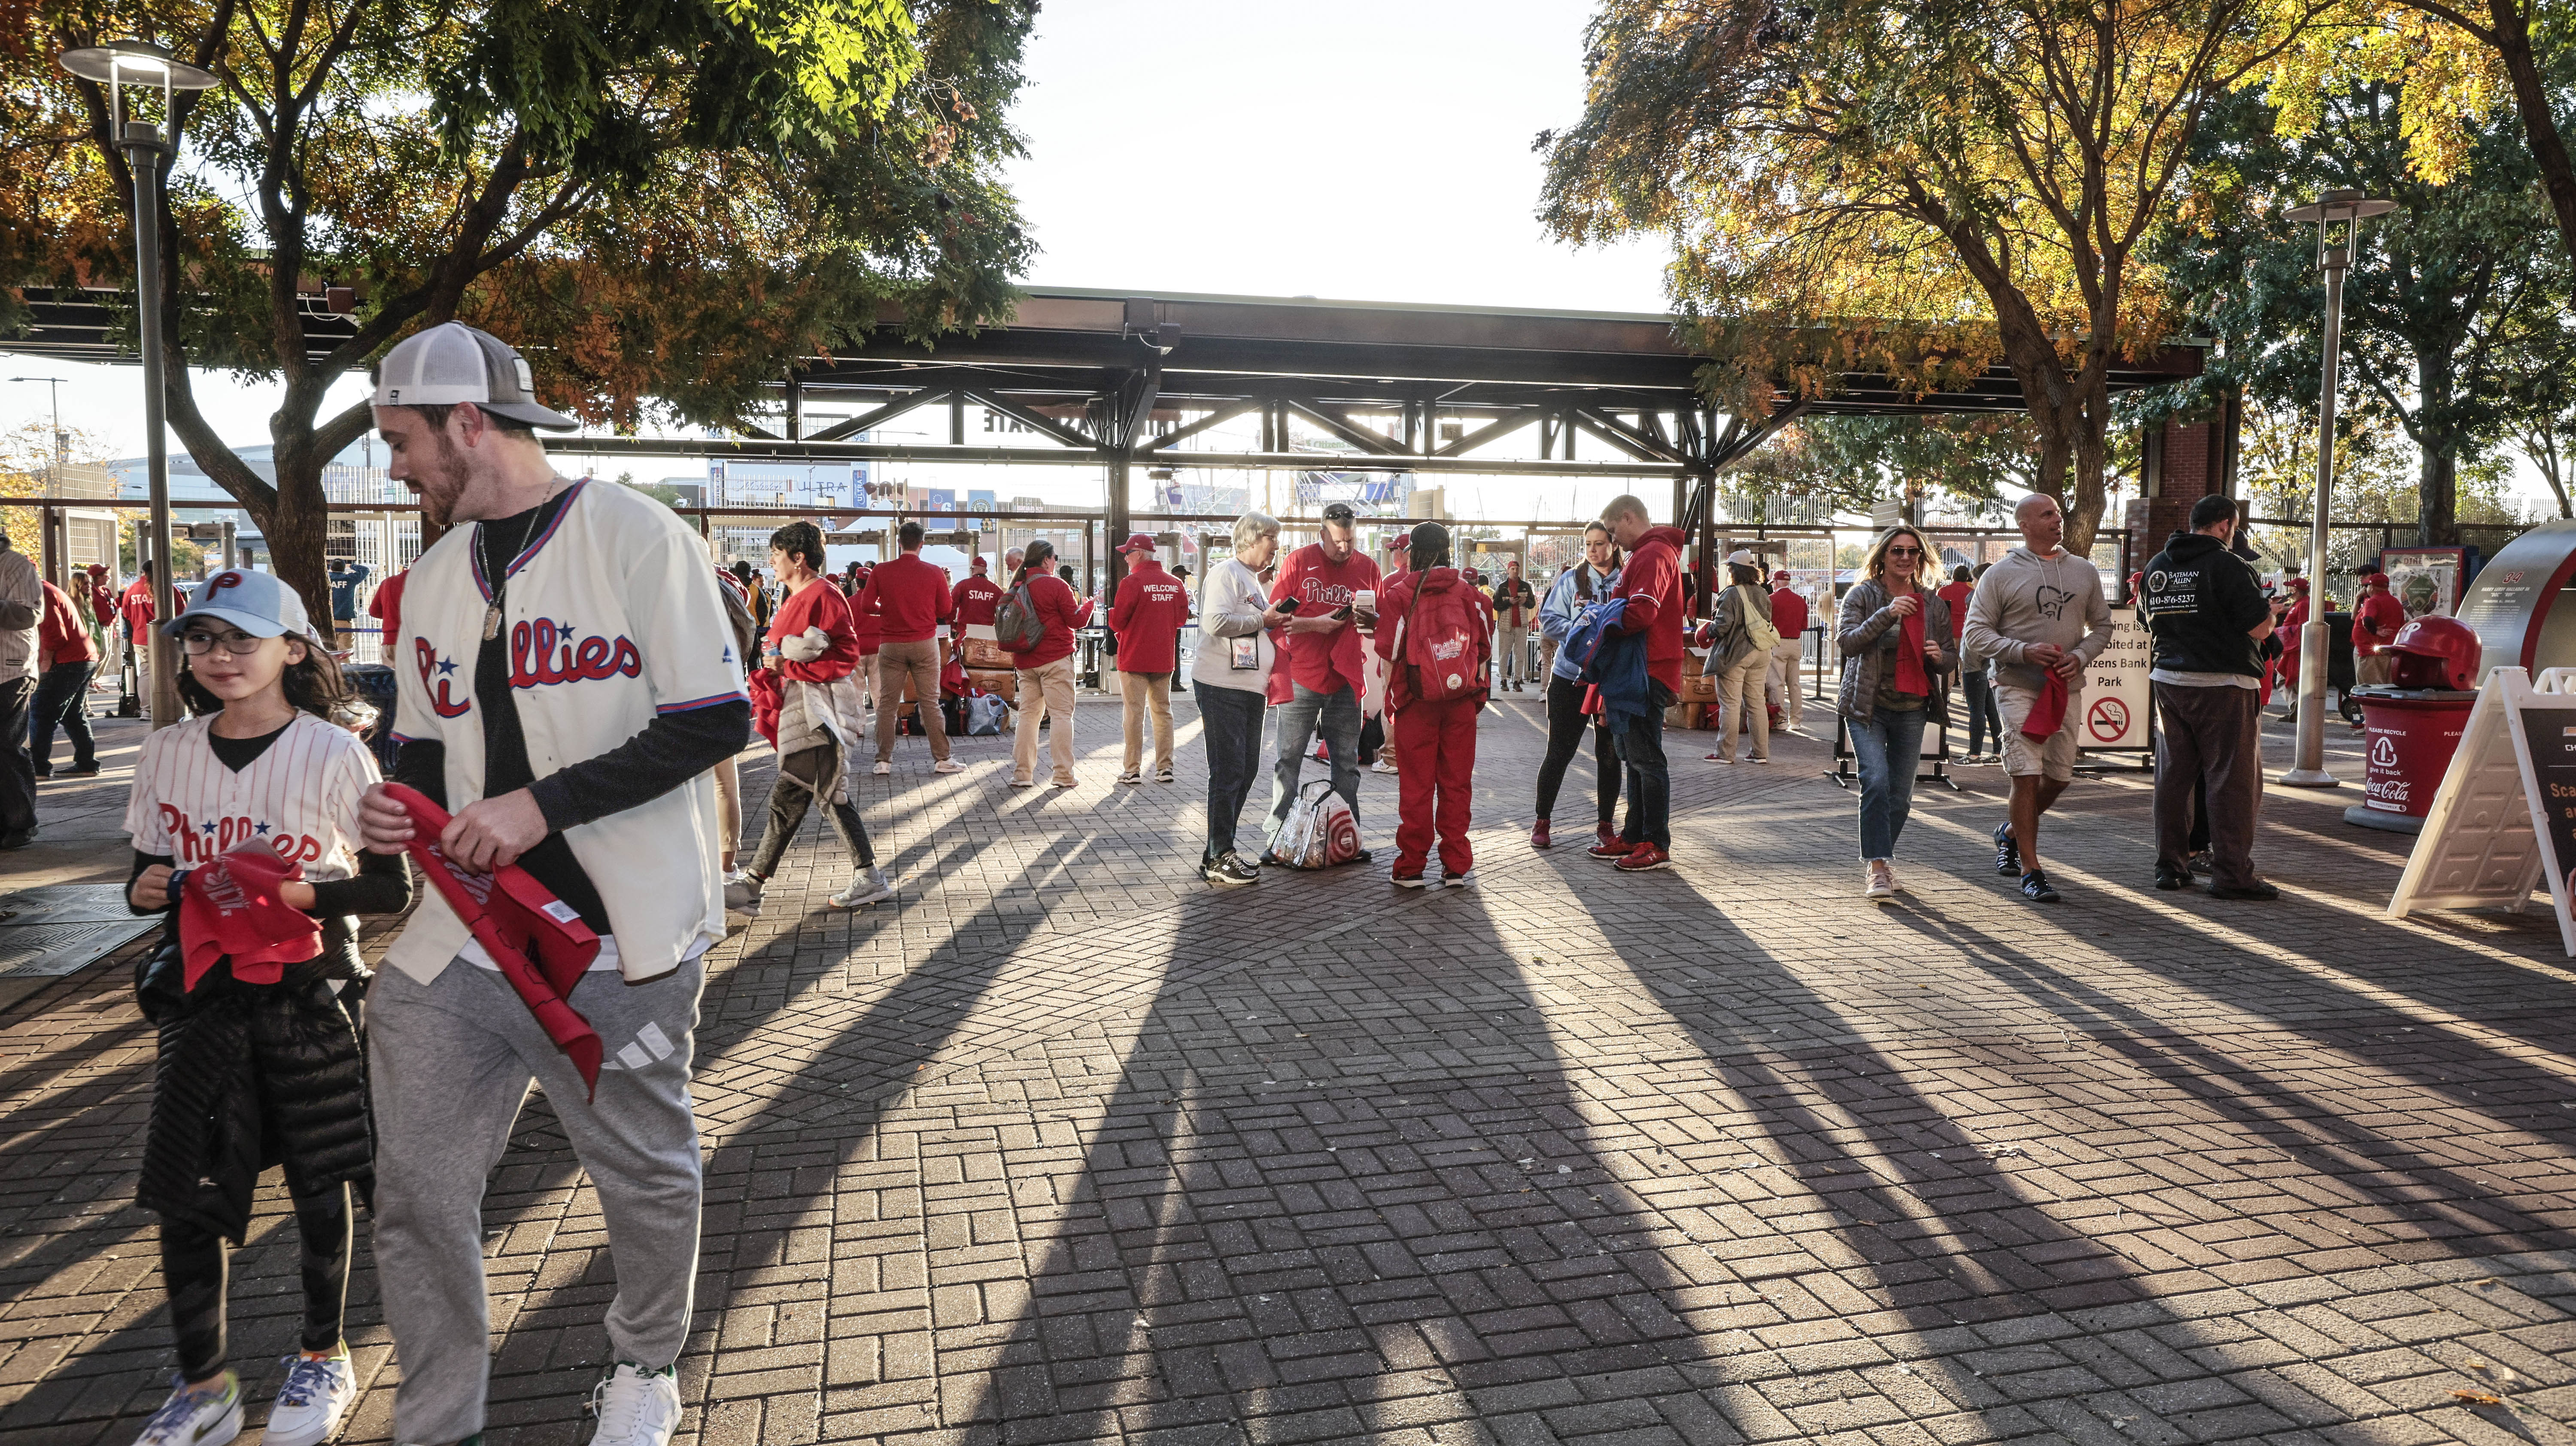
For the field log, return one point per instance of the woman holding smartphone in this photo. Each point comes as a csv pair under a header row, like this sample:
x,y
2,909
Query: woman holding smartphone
x,y
1232,682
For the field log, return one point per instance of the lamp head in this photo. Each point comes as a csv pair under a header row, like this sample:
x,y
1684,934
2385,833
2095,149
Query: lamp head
x,y
135,62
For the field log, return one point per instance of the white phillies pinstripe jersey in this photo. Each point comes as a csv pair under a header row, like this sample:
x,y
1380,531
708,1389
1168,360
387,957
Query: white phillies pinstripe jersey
x,y
300,797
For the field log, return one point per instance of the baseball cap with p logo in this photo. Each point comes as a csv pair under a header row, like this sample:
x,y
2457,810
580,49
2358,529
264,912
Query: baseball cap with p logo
x,y
455,363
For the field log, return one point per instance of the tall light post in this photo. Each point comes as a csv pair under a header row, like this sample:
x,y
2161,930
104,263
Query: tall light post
x,y
2346,209
120,64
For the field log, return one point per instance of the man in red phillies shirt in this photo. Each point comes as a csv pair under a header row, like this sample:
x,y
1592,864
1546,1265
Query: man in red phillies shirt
x,y
1320,591
910,601
1789,618
1651,589
2375,621
64,661
1147,616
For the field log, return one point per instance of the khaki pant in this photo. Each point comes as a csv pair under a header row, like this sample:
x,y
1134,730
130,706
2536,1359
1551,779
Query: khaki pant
x,y
1739,695
1511,655
1138,690
2376,668
919,660
1780,685
1044,692
728,809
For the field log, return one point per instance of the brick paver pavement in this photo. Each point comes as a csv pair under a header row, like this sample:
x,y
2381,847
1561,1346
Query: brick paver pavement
x,y
1063,1146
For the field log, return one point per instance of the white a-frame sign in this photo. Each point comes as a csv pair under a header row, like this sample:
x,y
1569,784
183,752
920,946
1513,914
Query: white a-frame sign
x,y
2506,816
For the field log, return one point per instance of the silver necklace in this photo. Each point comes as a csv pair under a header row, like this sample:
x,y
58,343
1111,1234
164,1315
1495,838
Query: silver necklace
x,y
501,584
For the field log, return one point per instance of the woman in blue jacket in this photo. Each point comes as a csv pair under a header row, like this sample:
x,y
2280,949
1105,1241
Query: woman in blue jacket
x,y
1575,590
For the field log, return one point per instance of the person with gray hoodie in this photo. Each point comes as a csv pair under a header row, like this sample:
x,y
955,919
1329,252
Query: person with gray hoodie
x,y
2039,616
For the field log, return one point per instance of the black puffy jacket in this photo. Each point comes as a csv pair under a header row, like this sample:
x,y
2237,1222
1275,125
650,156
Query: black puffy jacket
x,y
249,1076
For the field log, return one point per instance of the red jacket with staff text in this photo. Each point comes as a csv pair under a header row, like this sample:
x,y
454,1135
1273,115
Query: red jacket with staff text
x,y
1652,583
1152,608
974,601
908,598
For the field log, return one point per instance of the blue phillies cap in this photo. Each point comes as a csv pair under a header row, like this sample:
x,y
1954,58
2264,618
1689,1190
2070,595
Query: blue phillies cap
x,y
255,602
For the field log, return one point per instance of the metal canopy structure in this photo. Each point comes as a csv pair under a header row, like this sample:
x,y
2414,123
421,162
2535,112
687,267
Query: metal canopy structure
x,y
1117,380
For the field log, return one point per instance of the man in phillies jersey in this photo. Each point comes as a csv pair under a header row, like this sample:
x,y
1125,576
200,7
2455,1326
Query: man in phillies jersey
x,y
1320,590
567,682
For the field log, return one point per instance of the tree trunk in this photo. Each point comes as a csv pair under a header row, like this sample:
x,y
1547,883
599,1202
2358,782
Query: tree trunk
x,y
2532,99
2090,446
2437,484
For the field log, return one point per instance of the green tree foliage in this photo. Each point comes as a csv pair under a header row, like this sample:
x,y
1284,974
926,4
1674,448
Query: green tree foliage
x,y
1916,187
2456,324
665,203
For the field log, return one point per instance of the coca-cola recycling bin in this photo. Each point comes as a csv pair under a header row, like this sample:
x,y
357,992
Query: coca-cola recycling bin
x,y
2408,737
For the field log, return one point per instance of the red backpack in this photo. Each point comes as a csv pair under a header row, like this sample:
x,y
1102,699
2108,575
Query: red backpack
x,y
1441,641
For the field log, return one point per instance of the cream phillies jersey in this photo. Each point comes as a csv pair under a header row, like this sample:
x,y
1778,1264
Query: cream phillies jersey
x,y
299,797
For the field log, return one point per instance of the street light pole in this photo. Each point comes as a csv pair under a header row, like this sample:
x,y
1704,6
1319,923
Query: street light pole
x,y
2349,208
117,64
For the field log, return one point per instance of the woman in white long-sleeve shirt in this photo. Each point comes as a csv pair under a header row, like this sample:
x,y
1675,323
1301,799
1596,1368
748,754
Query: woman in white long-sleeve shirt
x,y
1232,682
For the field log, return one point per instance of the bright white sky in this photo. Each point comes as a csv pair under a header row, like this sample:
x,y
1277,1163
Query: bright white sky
x,y
1352,149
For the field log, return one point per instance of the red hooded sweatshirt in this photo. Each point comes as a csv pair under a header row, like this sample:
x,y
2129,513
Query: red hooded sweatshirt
x,y
60,635
1152,608
1653,584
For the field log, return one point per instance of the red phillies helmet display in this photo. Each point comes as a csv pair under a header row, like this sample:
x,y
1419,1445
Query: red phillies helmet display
x,y
2435,652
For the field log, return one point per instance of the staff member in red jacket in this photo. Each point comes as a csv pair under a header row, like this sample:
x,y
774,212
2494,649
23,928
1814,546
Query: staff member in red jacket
x,y
64,661
910,601
1789,619
1651,587
974,600
1151,608
1045,684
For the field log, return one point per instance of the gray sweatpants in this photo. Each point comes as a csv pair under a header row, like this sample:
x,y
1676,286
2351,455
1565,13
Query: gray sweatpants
x,y
450,1062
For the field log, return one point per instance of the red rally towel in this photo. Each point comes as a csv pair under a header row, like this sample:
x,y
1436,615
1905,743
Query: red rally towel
x,y
513,916
1910,675
2049,713
230,908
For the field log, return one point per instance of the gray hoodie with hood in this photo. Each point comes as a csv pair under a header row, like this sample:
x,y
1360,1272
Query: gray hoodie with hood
x,y
2028,599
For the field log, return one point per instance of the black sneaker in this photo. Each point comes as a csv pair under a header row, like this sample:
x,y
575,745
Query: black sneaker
x,y
1227,871
2203,865
2169,879
2007,852
1449,880
81,770
2035,887
1358,858
18,840
2255,890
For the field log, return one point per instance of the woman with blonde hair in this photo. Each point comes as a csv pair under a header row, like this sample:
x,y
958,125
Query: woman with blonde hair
x,y
1898,646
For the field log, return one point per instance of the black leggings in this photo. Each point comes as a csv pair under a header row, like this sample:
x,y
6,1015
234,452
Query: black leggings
x,y
1564,737
194,1264
803,777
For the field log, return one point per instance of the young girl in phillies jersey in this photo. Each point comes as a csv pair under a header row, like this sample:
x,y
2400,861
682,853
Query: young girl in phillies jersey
x,y
250,1074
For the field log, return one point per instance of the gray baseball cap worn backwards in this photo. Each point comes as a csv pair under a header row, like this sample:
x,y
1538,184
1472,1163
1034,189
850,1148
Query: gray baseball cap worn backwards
x,y
456,363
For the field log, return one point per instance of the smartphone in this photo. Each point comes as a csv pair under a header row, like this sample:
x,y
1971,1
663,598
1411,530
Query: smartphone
x,y
1343,612
1284,605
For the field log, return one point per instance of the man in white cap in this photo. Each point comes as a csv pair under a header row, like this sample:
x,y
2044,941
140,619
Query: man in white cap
x,y
567,682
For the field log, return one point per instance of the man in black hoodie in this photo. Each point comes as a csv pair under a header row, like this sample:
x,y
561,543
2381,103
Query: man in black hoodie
x,y
2207,616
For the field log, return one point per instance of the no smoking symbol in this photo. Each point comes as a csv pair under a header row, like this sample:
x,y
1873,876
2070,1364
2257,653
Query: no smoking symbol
x,y
2108,718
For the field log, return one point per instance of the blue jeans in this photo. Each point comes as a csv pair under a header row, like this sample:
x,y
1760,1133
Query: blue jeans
x,y
1336,715
1983,719
1890,748
1230,720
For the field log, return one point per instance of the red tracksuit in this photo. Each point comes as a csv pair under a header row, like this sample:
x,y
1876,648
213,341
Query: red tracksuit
x,y
1435,784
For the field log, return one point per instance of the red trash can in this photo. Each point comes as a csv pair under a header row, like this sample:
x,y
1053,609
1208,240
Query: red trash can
x,y
2408,737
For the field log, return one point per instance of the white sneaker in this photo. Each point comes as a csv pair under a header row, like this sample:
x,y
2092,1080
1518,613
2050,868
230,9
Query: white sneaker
x,y
310,1404
207,1416
882,769
742,892
1882,881
636,1407
1381,766
948,765
1132,778
866,887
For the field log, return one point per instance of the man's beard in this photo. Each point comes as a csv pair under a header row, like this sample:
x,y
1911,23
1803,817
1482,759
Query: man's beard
x,y
443,483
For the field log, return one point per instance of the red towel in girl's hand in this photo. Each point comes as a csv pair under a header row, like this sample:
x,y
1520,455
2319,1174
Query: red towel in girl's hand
x,y
513,916
2049,713
230,909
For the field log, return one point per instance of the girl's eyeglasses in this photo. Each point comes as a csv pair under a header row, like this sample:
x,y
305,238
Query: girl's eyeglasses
x,y
232,644
1905,552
